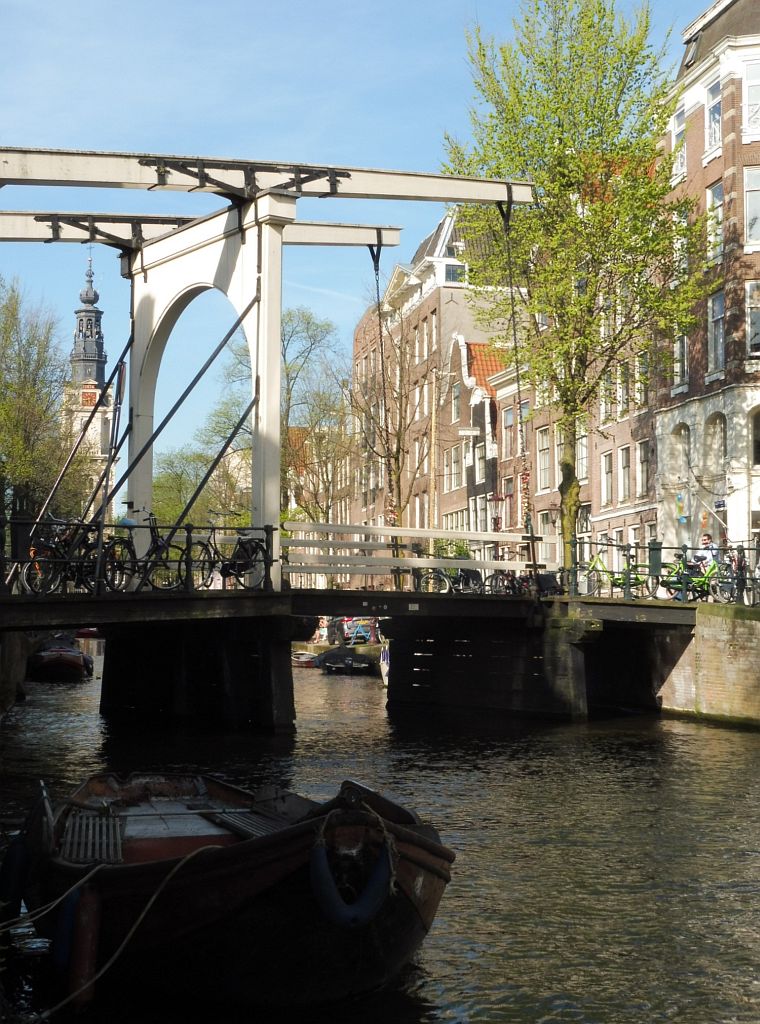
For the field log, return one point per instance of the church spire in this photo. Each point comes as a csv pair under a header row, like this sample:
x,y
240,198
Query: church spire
x,y
88,357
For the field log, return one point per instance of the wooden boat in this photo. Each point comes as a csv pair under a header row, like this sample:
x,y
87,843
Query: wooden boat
x,y
345,660
248,898
303,659
60,662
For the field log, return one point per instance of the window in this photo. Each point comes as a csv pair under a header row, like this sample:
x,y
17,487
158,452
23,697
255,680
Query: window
x,y
715,221
642,475
482,526
455,401
715,333
583,532
454,273
752,111
417,344
712,117
606,478
581,456
456,467
624,474
642,379
433,331
679,133
542,458
446,470
624,388
680,360
480,463
607,397
753,317
752,205
425,339
508,493
508,432
756,439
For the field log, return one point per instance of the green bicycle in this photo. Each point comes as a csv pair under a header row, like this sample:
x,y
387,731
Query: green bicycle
x,y
596,573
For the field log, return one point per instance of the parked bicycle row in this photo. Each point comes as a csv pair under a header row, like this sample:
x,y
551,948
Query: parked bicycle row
x,y
70,556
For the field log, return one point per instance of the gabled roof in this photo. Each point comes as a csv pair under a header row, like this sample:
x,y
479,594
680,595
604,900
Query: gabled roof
x,y
483,362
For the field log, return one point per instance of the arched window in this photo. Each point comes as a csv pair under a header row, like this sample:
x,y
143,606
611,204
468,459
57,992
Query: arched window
x,y
681,451
715,444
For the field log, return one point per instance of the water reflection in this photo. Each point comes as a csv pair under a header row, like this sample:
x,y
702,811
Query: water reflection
x,y
606,872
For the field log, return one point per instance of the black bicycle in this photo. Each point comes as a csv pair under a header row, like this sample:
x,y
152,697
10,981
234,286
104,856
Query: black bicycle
x,y
230,563
448,581
63,556
161,567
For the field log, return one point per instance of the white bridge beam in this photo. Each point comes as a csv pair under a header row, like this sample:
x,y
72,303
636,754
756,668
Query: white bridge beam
x,y
244,178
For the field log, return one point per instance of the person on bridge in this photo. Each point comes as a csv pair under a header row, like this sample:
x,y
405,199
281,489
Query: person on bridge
x,y
708,553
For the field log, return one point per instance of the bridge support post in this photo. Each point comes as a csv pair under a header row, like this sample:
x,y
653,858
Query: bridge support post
x,y
236,672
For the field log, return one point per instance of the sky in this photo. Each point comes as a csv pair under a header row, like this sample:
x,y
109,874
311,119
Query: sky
x,y
357,84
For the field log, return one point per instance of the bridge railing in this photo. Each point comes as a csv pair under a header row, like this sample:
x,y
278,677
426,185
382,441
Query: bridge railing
x,y
336,555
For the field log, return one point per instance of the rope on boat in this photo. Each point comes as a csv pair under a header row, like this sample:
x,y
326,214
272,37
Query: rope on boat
x,y
112,960
31,916
380,884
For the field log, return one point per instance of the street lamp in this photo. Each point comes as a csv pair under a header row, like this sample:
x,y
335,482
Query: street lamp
x,y
494,509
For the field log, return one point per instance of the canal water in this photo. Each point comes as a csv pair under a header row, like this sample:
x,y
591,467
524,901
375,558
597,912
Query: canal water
x,y
606,873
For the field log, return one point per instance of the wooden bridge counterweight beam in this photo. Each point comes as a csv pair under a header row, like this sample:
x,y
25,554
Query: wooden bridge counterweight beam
x,y
244,178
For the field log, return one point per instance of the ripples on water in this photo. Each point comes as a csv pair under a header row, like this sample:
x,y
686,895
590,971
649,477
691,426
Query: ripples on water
x,y
606,873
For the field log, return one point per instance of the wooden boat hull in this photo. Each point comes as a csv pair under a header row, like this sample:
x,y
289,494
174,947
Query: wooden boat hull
x,y
254,920
58,664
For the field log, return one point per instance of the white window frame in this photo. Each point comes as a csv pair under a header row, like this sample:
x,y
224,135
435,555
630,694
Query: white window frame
x,y
752,306
713,118
751,111
543,458
681,361
456,401
624,474
678,134
716,333
508,432
752,201
480,462
714,201
606,478
643,470
581,456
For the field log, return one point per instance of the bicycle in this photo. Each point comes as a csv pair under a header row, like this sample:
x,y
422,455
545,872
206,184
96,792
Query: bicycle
x,y
446,581
638,578
505,582
694,581
161,567
63,552
245,566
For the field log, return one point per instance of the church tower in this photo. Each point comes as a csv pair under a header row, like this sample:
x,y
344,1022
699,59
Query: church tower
x,y
88,377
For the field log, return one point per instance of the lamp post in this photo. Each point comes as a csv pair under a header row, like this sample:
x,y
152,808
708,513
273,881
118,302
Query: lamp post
x,y
494,508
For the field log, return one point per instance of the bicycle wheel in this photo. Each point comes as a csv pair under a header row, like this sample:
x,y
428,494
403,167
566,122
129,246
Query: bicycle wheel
x,y
41,575
498,583
83,572
252,577
163,567
118,564
434,582
593,583
723,587
201,565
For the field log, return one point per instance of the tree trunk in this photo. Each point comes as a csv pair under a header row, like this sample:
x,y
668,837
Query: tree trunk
x,y
569,489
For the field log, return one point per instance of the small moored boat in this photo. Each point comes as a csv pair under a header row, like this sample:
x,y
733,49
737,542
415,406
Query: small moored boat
x,y
345,660
265,897
59,661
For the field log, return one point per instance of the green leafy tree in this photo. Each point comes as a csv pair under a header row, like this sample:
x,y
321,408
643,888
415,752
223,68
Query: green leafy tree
x,y
33,444
606,261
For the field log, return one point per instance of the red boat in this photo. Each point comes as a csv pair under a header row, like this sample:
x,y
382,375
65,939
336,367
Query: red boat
x,y
249,898
59,662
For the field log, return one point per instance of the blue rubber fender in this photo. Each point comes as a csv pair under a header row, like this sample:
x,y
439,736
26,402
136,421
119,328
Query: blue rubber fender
x,y
330,901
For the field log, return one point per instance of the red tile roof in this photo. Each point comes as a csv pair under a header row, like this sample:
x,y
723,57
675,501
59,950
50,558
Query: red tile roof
x,y
483,362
